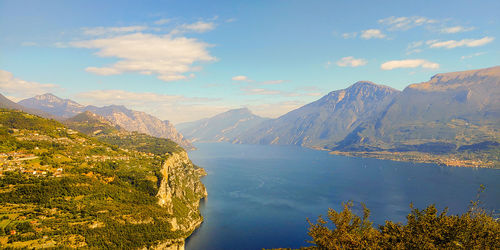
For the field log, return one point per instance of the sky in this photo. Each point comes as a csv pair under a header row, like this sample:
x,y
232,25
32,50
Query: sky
x,y
186,60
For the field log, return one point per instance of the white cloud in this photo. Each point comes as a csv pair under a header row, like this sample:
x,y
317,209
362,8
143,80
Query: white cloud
x,y
405,23
272,82
372,33
456,29
240,78
349,35
414,47
462,43
99,31
166,56
162,21
198,27
410,63
350,61
472,55
260,91
28,44
20,89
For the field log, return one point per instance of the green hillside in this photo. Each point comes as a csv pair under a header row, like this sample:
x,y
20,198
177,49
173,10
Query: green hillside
x,y
61,188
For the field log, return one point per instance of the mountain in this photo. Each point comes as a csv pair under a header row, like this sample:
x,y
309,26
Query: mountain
x,y
223,127
129,191
130,120
449,112
6,103
325,121
52,104
92,124
453,119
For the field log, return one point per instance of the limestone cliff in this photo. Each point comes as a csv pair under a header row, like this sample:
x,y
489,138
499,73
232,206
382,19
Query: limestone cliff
x,y
180,192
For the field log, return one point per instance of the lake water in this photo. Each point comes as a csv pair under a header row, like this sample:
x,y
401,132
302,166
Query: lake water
x,y
259,196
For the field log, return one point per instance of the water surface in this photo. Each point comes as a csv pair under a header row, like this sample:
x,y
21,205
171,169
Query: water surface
x,y
259,196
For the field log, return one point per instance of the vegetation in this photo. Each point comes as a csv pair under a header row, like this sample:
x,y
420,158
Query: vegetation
x,y
424,229
61,188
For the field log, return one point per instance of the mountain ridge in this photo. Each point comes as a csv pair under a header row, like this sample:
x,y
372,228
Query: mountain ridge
x,y
128,119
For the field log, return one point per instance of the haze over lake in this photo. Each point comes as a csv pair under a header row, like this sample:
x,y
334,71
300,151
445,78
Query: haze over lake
x,y
260,196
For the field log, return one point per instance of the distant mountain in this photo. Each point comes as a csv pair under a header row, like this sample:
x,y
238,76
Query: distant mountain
x,y
449,112
130,120
223,127
5,103
327,120
53,105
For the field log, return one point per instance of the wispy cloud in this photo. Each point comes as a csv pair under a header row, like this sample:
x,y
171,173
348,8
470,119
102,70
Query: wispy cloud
x,y
450,44
372,33
414,47
29,44
456,29
472,55
99,31
176,108
198,27
162,21
349,35
18,88
272,82
405,23
350,61
409,63
241,78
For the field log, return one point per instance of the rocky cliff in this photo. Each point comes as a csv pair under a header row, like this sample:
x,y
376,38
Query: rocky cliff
x,y
181,188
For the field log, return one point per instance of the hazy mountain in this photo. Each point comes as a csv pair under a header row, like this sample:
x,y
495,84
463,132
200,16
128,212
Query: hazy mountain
x,y
326,120
450,111
223,127
53,105
8,104
130,120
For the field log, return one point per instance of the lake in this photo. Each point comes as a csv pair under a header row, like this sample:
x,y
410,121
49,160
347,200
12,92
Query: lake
x,y
259,196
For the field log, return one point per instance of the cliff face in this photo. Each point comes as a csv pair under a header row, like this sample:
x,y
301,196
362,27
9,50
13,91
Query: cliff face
x,y
180,192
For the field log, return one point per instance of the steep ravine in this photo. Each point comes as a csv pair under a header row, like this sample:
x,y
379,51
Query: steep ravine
x,y
180,192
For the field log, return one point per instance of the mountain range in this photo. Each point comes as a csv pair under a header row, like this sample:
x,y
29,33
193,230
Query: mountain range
x,y
452,118
127,119
227,126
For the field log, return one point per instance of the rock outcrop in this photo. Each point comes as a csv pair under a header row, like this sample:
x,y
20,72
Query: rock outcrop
x,y
180,187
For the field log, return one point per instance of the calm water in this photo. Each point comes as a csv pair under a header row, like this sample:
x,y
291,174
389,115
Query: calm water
x,y
260,196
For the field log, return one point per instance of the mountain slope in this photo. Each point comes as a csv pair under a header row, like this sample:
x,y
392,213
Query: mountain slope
x,y
326,120
130,120
62,189
449,111
223,127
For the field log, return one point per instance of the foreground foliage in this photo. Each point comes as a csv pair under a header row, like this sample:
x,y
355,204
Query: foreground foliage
x,y
424,229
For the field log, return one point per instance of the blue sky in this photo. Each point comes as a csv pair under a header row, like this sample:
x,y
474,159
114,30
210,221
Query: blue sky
x,y
186,60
